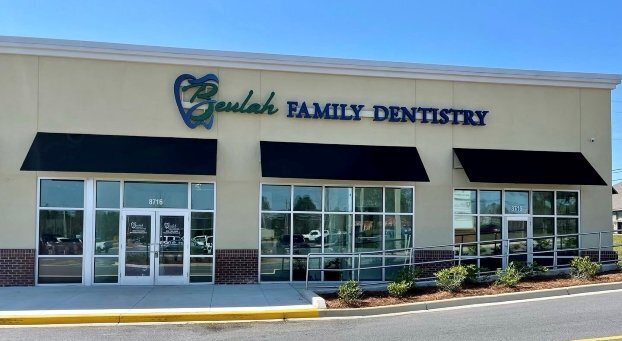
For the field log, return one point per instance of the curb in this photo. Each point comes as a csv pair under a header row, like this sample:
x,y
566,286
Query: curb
x,y
154,316
465,301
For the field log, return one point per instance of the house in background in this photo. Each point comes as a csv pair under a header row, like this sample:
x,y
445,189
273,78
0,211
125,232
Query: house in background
x,y
616,203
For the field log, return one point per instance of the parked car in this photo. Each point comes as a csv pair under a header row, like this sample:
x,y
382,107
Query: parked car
x,y
315,234
202,244
103,246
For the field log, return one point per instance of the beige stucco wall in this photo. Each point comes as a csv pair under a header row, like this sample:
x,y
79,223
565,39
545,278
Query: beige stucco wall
x,y
104,97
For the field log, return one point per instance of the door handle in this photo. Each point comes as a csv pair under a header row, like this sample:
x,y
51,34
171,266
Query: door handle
x,y
155,253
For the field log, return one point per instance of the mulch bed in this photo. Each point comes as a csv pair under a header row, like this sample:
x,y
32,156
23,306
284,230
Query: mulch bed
x,y
421,294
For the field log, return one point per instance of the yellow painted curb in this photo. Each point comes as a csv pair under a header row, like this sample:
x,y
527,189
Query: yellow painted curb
x,y
241,315
606,338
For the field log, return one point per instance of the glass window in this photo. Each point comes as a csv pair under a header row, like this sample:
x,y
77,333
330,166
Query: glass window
x,y
567,225
399,200
543,203
368,199
516,202
62,193
338,199
202,196
60,270
275,234
543,226
339,269
108,194
307,233
275,198
60,232
490,228
398,230
338,233
274,269
464,226
299,269
201,269
307,198
567,203
106,270
155,195
201,233
490,202
465,201
368,233
107,232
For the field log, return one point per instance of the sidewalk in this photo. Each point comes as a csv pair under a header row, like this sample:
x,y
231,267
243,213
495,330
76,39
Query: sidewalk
x,y
119,304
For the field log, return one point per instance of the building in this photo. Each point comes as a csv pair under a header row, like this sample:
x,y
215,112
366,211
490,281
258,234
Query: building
x,y
145,165
616,205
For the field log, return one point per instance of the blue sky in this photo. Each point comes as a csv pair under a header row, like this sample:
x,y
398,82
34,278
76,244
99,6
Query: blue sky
x,y
584,36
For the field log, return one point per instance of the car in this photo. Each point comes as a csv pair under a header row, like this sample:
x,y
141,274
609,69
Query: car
x,y
315,234
202,243
103,246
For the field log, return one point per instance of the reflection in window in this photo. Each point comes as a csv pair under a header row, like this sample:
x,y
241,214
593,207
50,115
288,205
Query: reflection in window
x,y
155,195
307,198
202,196
516,202
399,200
275,198
62,193
108,194
465,201
368,233
490,202
107,232
567,203
543,203
338,199
60,232
275,234
368,199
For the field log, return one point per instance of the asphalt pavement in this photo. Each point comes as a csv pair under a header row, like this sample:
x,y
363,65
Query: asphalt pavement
x,y
566,318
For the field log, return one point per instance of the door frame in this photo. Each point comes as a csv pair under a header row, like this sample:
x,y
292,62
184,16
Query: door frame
x,y
172,280
136,280
154,277
519,217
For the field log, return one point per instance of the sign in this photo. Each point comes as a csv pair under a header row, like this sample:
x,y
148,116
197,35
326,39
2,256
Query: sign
x,y
136,228
170,229
194,99
391,113
196,104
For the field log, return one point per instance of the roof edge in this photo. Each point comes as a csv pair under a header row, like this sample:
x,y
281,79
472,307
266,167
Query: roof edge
x,y
290,63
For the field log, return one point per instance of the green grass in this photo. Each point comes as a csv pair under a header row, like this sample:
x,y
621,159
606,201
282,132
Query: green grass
x,y
617,240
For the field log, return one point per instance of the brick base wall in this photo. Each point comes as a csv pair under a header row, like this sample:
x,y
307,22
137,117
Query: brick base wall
x,y
428,270
237,266
17,267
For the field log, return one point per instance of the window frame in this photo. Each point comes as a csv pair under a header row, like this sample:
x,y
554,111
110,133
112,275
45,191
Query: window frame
x,y
323,213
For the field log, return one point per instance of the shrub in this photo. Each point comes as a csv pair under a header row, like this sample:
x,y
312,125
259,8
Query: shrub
x,y
531,269
398,289
583,267
350,291
510,276
408,275
472,273
451,279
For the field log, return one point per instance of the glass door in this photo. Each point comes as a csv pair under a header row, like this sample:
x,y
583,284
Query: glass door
x,y
137,248
172,256
516,229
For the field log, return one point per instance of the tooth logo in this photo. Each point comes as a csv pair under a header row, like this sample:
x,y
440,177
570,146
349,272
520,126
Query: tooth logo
x,y
204,89
196,106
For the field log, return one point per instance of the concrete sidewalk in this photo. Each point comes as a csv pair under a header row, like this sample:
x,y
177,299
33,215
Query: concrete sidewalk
x,y
118,304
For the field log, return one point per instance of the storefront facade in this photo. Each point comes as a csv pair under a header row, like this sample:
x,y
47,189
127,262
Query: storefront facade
x,y
140,165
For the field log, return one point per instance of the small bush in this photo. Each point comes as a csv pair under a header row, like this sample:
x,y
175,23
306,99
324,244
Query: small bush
x,y
583,267
451,279
531,269
472,273
398,289
510,276
408,275
350,291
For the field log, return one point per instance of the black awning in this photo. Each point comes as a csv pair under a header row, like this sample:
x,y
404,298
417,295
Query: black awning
x,y
341,162
121,154
613,190
527,167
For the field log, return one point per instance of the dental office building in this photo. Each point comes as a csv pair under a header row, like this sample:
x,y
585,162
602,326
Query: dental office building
x,y
126,164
